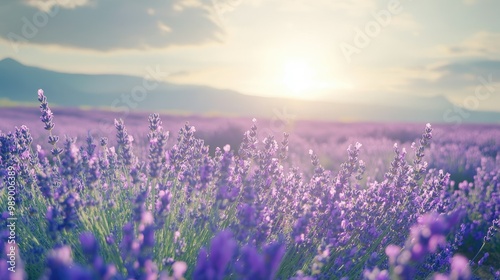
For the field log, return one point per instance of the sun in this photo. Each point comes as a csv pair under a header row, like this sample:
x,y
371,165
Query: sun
x,y
298,76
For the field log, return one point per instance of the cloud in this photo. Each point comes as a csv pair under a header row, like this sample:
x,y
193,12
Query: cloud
x,y
66,4
355,8
106,25
458,78
480,44
474,84
459,82
407,22
225,6
478,67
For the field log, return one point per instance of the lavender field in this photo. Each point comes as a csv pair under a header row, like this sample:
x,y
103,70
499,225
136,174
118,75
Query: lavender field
x,y
85,196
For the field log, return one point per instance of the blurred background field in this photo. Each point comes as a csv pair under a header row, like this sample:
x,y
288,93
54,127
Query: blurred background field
x,y
455,149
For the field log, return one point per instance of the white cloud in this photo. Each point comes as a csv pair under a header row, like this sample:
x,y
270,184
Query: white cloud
x,y
407,22
106,25
481,44
349,7
65,4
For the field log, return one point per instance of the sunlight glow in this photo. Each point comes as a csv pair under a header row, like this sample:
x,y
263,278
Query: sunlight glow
x,y
298,76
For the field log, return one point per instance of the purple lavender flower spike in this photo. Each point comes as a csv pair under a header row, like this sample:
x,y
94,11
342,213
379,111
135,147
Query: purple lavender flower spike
x,y
273,253
60,266
47,115
89,243
212,266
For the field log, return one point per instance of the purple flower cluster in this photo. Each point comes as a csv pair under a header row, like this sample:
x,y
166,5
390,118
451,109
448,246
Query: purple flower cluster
x,y
142,206
225,258
426,237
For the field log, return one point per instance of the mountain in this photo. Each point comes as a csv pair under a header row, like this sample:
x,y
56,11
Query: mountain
x,y
19,83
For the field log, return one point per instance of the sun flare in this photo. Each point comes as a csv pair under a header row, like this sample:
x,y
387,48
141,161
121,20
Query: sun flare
x,y
298,76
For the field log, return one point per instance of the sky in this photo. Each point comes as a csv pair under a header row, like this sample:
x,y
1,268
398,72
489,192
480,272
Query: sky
x,y
352,50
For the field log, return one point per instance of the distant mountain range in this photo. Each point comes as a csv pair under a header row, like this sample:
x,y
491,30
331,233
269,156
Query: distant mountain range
x,y
19,84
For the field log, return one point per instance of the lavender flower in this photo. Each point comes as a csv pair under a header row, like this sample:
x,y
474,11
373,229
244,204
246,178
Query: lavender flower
x,y
124,144
47,115
157,142
164,202
253,265
212,265
60,266
425,238
460,270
